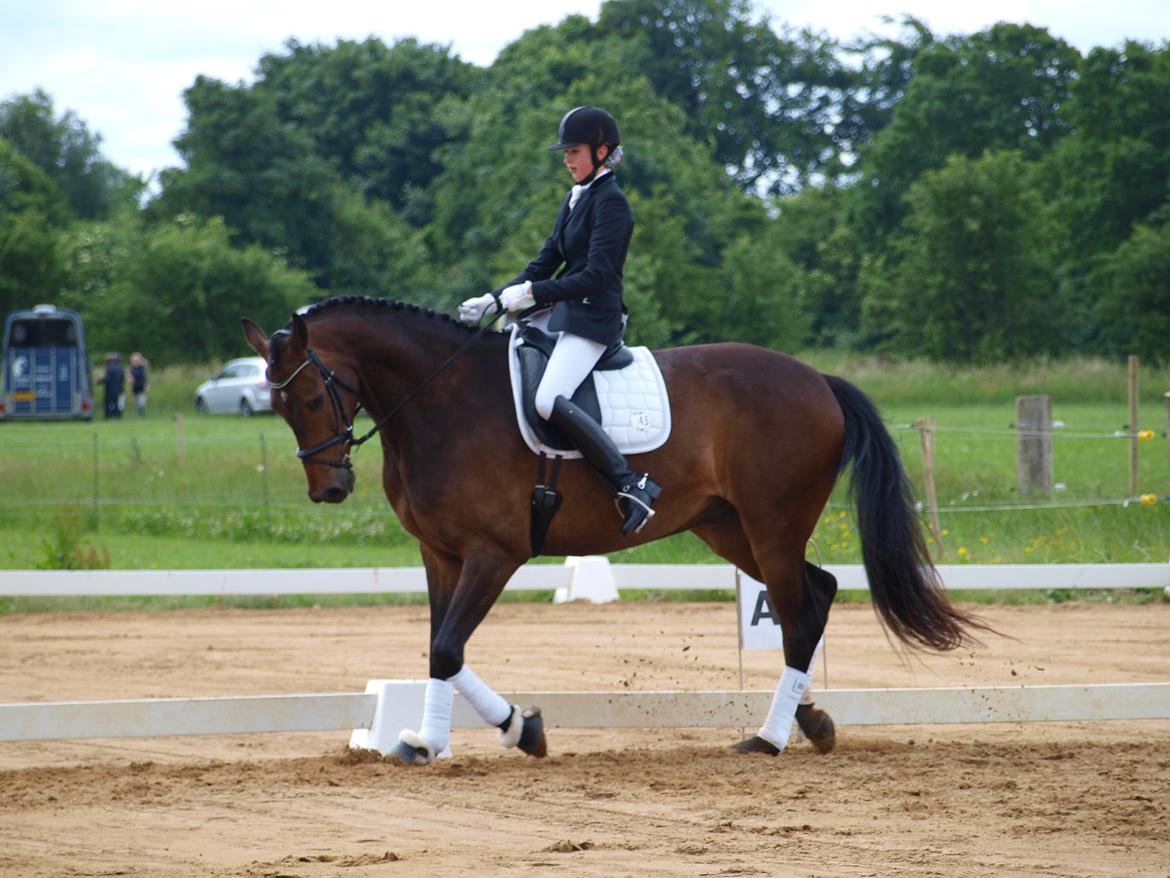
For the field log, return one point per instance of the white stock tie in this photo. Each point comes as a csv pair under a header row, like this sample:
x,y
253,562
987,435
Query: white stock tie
x,y
575,192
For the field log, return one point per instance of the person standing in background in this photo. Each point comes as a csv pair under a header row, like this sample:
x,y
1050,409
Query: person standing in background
x,y
139,382
114,384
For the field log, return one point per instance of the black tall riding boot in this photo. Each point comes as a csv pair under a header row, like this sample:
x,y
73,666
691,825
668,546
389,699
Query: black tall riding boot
x,y
635,493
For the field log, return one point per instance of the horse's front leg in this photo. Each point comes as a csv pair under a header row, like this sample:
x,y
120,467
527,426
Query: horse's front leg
x,y
461,593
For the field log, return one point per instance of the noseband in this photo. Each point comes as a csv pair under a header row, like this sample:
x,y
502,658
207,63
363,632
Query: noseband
x,y
344,426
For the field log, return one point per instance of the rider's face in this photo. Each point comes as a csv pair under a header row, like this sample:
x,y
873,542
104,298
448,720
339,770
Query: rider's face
x,y
579,161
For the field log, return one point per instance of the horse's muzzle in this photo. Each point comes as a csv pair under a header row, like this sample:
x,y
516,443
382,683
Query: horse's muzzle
x,y
334,493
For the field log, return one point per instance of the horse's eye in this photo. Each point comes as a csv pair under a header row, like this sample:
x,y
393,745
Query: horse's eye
x,y
315,403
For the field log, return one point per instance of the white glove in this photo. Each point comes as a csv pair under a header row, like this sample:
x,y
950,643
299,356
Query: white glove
x,y
471,311
517,297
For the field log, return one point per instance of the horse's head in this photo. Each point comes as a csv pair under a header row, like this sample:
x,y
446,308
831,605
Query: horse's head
x,y
318,400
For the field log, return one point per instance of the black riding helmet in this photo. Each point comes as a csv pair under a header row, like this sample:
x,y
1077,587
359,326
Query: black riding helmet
x,y
591,126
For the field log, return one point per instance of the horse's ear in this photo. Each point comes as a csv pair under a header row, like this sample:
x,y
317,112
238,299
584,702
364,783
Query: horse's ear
x,y
300,333
257,340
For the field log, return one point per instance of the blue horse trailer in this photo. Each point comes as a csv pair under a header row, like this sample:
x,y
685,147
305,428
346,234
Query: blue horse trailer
x,y
46,369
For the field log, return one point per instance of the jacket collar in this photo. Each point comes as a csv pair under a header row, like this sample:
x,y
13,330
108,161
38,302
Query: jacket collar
x,y
581,191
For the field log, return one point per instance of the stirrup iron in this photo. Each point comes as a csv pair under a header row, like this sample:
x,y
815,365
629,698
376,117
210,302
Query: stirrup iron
x,y
639,495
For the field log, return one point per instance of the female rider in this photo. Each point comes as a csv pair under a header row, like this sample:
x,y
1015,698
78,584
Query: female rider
x,y
588,244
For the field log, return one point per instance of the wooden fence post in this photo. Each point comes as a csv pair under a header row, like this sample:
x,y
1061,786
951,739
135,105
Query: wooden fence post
x,y
1034,443
1166,400
182,442
96,490
1134,445
926,437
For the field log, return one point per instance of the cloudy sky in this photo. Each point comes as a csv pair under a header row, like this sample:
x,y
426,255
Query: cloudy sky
x,y
122,65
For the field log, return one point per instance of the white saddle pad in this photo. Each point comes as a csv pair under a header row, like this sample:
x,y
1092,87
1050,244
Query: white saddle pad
x,y
635,408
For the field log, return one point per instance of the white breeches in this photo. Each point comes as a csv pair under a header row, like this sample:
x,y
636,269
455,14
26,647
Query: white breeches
x,y
572,360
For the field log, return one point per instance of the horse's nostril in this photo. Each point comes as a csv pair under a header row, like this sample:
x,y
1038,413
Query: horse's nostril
x,y
334,495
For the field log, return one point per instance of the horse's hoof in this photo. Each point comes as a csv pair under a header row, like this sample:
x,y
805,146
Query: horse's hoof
x,y
756,744
817,726
532,739
524,729
412,750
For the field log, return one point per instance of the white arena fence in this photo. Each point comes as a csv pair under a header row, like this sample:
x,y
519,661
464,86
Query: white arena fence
x,y
591,577
375,716
387,706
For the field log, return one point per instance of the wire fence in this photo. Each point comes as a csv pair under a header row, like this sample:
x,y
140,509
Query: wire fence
x,y
222,472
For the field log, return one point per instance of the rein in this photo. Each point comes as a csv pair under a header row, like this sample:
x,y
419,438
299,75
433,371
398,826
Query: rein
x,y
332,382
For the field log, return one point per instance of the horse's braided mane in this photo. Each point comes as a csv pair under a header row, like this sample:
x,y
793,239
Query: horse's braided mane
x,y
337,302
387,304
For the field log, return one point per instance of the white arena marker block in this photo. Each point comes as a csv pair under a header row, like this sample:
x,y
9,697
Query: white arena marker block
x,y
591,579
399,706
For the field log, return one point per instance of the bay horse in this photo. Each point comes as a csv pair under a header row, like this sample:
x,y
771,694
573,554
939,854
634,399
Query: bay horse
x,y
758,442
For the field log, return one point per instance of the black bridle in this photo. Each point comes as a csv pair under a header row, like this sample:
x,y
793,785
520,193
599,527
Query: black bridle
x,y
343,425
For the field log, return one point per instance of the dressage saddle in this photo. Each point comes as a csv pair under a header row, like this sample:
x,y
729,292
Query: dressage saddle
x,y
535,348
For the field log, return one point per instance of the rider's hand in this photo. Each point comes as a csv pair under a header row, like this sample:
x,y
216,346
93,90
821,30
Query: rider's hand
x,y
472,310
517,297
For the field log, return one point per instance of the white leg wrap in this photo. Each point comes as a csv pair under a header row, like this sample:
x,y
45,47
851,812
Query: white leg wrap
x,y
489,704
436,723
778,725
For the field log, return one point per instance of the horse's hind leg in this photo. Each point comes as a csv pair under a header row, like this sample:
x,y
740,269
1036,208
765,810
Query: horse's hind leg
x,y
815,723
801,595
728,539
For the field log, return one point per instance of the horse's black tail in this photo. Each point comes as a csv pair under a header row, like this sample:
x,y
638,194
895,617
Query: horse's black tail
x,y
903,582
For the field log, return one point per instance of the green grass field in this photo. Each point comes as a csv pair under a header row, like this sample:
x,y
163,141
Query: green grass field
x,y
181,491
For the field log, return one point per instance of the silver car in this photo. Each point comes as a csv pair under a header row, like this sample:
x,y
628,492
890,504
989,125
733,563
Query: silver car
x,y
239,388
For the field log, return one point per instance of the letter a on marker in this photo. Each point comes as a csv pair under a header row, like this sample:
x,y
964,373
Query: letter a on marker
x,y
763,610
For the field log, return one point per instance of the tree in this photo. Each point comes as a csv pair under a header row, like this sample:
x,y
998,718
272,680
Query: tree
x,y
371,109
31,214
69,154
258,173
1113,172
812,231
177,289
670,273
885,67
768,103
1134,296
1002,88
970,279
374,252
761,296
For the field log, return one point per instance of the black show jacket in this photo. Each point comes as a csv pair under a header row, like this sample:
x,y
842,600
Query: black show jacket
x,y
591,242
